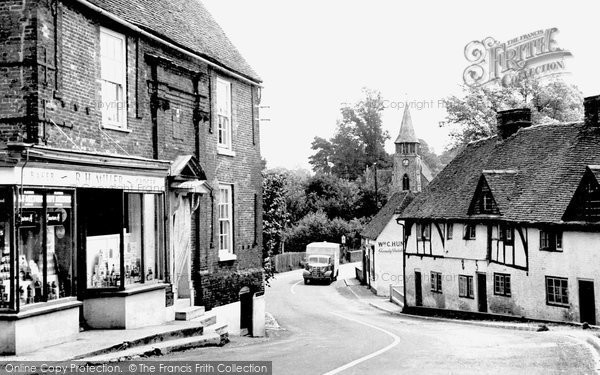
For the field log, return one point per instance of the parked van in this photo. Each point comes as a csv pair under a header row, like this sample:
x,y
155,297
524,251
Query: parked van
x,y
322,262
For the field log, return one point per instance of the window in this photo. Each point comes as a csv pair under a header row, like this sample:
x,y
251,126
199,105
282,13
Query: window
x,y
141,233
502,284
225,221
550,240
113,72
405,182
465,286
423,232
507,235
470,232
224,113
45,265
436,282
557,291
449,230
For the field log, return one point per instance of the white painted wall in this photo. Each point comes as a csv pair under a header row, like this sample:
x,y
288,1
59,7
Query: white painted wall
x,y
388,258
580,259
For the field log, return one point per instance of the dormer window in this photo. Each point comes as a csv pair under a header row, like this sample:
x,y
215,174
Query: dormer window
x,y
483,202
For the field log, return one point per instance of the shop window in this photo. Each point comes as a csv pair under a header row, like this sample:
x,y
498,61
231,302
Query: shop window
x,y
45,246
143,241
6,270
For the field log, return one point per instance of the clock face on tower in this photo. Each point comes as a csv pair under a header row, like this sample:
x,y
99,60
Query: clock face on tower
x,y
405,162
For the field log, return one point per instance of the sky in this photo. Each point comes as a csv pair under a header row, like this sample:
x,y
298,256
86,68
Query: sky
x,y
313,56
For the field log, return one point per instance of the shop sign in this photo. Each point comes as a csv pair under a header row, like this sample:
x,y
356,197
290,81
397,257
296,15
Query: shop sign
x,y
27,218
97,180
389,246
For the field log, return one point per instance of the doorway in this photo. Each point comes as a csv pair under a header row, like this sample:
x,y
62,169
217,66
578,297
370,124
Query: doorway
x,y
587,306
481,293
418,291
246,311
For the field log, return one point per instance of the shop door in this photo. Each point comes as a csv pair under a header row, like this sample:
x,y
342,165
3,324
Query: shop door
x,y
182,232
587,306
418,291
481,293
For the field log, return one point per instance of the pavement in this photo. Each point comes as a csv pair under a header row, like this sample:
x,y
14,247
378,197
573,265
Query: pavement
x,y
344,328
109,345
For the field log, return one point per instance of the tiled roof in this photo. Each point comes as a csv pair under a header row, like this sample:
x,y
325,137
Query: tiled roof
x,y
186,23
545,164
407,131
397,202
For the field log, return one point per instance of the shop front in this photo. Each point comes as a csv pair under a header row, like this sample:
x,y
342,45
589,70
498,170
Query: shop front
x,y
82,243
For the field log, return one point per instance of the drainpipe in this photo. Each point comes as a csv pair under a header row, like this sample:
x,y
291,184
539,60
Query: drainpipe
x,y
403,260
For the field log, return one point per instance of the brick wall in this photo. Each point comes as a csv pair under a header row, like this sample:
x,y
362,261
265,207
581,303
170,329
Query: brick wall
x,y
50,86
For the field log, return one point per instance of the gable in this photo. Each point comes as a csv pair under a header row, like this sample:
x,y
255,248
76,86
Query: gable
x,y
187,167
585,204
483,202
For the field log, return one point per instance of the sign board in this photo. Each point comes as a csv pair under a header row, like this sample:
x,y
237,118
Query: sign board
x,y
96,180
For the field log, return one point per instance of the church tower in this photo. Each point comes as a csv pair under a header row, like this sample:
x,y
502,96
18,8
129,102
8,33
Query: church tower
x,y
407,161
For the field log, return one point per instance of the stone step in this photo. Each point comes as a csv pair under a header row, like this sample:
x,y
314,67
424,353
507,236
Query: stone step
x,y
189,313
207,320
161,348
176,333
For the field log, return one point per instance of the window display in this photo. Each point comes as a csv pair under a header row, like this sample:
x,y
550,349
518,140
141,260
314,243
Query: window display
x,y
141,236
45,268
6,290
133,239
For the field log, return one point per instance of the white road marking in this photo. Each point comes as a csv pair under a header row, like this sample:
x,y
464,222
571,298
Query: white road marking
x,y
293,286
369,356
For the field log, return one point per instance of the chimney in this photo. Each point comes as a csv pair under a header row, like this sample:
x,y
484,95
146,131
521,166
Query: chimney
x,y
591,110
509,122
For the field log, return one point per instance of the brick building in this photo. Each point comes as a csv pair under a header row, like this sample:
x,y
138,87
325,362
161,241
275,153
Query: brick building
x,y
130,166
510,226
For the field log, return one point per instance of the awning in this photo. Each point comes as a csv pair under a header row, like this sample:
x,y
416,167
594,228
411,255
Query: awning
x,y
191,186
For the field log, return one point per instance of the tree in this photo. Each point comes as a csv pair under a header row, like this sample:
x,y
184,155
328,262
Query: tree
x,y
275,215
336,197
473,116
357,143
429,157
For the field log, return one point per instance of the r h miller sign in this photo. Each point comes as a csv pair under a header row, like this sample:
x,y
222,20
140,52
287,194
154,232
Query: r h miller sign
x,y
531,55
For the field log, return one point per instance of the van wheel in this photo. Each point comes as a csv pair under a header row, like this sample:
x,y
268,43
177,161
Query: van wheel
x,y
305,281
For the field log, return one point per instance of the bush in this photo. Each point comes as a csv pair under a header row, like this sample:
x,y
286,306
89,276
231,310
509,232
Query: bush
x,y
316,227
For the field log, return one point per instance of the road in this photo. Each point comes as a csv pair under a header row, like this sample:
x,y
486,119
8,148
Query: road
x,y
328,330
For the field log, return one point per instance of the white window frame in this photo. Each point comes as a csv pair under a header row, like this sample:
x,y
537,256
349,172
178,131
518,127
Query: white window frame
x,y
226,253
465,286
436,281
119,79
224,110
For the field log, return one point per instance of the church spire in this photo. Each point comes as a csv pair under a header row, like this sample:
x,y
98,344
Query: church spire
x,y
407,132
